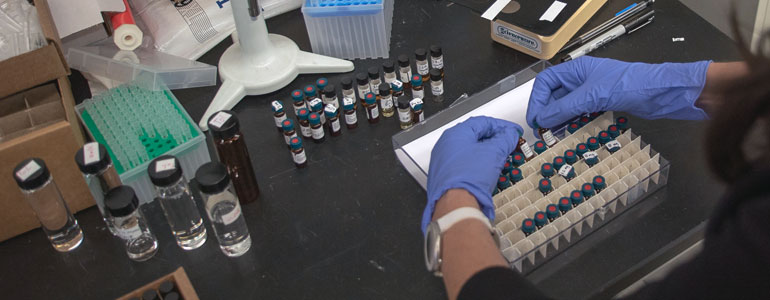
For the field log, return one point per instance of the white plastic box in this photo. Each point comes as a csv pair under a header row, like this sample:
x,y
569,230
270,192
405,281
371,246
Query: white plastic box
x,y
349,29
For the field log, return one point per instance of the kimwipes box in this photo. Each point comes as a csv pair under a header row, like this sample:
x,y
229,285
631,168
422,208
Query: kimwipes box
x,y
37,119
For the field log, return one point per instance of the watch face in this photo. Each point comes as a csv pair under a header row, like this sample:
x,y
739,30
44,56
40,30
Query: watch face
x,y
432,247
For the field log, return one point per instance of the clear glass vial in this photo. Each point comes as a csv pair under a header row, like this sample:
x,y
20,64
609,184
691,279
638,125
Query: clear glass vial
x,y
95,163
330,96
374,78
437,59
404,113
389,71
130,223
231,147
386,100
278,114
177,202
347,90
363,85
436,85
44,198
223,209
421,60
404,70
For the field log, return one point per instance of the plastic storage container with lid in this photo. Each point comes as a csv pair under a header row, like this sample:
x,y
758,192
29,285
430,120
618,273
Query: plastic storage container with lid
x,y
349,28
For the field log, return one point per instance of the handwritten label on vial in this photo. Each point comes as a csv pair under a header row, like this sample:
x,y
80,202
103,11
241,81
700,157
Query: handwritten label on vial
x,y
279,121
613,144
130,233
27,170
527,150
363,90
277,106
398,83
565,170
437,89
386,102
348,101
165,165
232,216
318,133
91,153
374,113
404,117
420,117
336,125
549,139
406,76
589,155
351,118
219,119
374,84
418,93
437,62
415,102
306,131
423,69
314,102
299,158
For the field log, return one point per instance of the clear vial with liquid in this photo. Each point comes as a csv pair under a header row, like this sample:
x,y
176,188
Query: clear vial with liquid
x,y
130,223
44,198
177,202
223,209
97,168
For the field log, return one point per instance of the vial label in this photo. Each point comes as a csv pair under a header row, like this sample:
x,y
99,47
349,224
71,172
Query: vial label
x,y
549,139
336,125
165,165
27,170
297,108
421,117
351,118
387,102
233,215
404,117
437,62
423,69
130,233
526,150
374,113
322,116
299,158
565,170
390,77
374,84
91,153
277,105
348,101
415,102
418,93
437,89
363,90
220,119
398,83
613,144
406,76
289,137
279,120
318,133
330,108
589,155
306,131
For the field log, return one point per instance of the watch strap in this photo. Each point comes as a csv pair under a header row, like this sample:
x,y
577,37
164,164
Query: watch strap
x,y
460,214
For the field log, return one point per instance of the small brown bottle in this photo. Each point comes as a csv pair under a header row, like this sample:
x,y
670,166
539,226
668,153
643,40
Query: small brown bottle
x,y
524,148
372,110
349,108
333,120
298,153
404,70
231,147
317,128
288,132
548,137
278,114
421,60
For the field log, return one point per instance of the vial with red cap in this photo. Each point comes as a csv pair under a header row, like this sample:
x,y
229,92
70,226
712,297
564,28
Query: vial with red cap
x,y
599,183
582,121
540,147
316,128
591,158
503,183
298,101
581,149
540,219
572,127
310,92
321,83
622,123
592,143
552,212
558,162
604,137
304,123
528,226
576,197
565,204
518,159
515,175
614,131
507,167
545,187
523,147
588,190
547,170
595,115
372,110
570,157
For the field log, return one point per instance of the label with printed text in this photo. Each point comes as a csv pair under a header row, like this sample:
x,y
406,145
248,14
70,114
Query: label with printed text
x,y
549,139
437,62
306,131
165,165
589,155
527,150
299,158
279,121
318,133
336,125
374,113
437,89
277,106
405,117
386,102
418,93
613,144
406,76
351,118
565,170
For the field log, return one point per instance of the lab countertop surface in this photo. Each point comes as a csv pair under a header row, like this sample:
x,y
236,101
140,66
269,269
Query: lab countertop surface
x,y
347,226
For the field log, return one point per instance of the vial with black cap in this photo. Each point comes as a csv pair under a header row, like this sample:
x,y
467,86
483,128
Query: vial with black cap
x,y
177,202
363,85
437,59
436,85
95,163
386,100
374,78
223,209
130,223
421,60
347,90
404,70
43,196
330,96
231,147
389,72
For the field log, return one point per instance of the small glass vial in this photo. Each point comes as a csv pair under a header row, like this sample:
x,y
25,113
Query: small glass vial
x,y
437,59
278,114
404,113
528,226
545,187
321,84
298,100
298,153
548,137
232,150
421,60
363,85
177,202
436,85
130,223
304,123
374,79
372,110
44,198
389,71
317,106
310,92
349,108
524,148
347,90
330,96
317,129
97,168
288,132
333,120
404,70
417,89
223,209
417,113
386,100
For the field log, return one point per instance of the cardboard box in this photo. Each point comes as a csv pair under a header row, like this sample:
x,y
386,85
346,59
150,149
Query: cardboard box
x,y
178,277
37,119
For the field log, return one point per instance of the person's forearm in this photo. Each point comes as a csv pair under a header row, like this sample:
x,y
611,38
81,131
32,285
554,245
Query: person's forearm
x,y
467,247
719,77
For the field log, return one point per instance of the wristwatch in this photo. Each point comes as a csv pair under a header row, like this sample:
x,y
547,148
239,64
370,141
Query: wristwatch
x,y
436,228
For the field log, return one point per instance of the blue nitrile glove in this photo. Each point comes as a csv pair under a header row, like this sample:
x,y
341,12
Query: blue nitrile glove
x,y
590,84
470,156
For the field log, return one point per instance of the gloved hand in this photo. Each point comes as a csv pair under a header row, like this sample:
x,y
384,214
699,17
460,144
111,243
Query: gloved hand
x,y
470,156
590,84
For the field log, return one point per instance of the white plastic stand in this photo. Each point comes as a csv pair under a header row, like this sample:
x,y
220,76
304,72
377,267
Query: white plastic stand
x,y
261,63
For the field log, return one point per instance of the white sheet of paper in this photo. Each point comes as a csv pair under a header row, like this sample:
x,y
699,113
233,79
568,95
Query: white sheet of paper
x,y
73,16
553,11
511,106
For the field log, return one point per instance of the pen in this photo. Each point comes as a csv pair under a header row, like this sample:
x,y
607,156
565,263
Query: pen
x,y
619,17
625,28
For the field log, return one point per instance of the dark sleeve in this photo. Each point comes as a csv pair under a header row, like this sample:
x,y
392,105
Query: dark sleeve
x,y
499,283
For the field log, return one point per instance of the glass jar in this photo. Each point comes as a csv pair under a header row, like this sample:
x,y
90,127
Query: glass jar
x,y
223,209
95,164
130,223
231,147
